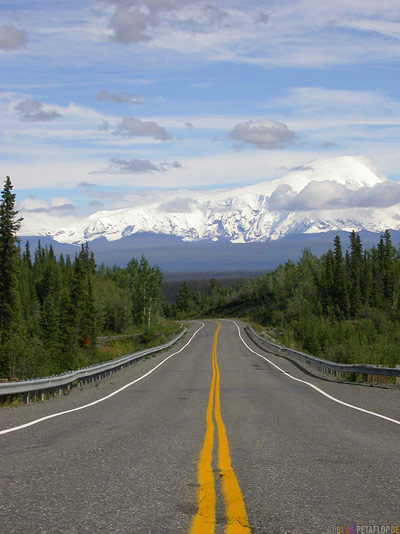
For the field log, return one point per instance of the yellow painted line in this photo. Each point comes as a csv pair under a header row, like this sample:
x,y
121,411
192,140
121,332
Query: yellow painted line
x,y
235,510
204,520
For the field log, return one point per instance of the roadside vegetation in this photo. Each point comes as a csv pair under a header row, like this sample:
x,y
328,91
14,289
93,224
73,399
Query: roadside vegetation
x,y
158,334
53,309
343,306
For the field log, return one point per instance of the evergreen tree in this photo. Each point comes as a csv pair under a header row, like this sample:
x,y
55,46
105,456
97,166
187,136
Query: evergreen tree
x,y
340,292
356,268
388,268
183,299
9,271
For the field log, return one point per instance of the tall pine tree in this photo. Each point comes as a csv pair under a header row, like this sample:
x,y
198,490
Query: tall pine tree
x,y
9,266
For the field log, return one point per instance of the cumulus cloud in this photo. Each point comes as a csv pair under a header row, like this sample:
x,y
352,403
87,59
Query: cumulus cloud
x,y
11,38
178,205
32,111
133,19
137,166
131,127
130,27
329,195
263,133
119,98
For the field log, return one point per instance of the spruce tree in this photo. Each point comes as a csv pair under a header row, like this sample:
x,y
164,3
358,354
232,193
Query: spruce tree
x,y
9,266
356,268
340,293
388,271
183,298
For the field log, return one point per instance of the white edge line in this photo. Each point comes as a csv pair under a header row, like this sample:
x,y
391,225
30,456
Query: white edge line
x,y
312,385
36,421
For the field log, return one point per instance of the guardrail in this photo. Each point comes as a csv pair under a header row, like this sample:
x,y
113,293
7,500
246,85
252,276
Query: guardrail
x,y
325,366
39,387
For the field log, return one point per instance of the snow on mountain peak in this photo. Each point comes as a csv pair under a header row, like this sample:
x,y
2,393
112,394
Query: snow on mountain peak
x,y
352,172
341,193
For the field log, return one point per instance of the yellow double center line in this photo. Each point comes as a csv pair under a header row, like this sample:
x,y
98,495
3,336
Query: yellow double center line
x,y
236,517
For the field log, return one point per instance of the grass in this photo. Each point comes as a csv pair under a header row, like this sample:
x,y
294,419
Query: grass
x,y
151,337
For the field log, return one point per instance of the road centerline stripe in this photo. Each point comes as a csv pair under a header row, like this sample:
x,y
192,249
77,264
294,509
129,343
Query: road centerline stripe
x,y
204,520
235,511
236,516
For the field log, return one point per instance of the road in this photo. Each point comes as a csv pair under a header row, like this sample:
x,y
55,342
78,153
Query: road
x,y
215,439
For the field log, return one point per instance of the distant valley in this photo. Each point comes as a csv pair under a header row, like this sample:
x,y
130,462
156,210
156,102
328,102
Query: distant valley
x,y
176,256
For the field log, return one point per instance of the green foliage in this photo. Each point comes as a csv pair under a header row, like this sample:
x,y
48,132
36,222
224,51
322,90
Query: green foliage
x,y
9,270
345,308
52,310
145,286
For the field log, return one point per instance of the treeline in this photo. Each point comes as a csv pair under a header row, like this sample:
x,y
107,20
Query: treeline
x,y
52,310
198,297
343,306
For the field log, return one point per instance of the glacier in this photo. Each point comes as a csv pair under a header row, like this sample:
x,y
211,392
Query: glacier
x,y
330,194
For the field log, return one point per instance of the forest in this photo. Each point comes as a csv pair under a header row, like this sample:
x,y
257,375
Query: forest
x,y
343,306
53,309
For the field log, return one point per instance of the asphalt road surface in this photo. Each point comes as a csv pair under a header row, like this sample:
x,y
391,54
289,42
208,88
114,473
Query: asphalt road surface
x,y
214,440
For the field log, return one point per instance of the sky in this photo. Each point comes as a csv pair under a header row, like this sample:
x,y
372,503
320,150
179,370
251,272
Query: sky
x,y
102,102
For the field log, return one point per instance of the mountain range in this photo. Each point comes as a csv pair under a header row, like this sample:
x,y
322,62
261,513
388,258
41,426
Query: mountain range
x,y
251,227
335,194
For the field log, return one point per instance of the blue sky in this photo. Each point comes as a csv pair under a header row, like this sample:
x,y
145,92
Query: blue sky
x,y
104,100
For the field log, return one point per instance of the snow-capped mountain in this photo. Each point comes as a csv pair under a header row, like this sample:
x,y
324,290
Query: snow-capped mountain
x,y
340,193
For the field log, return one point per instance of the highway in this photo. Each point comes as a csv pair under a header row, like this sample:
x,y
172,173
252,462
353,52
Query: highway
x,y
213,439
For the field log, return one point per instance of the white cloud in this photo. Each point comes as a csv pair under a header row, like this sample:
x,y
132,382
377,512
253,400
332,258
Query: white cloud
x,y
388,28
178,205
137,166
263,133
133,20
130,27
97,204
263,18
343,33
132,127
103,127
57,205
32,111
11,38
119,98
329,195
206,19
67,170
315,99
